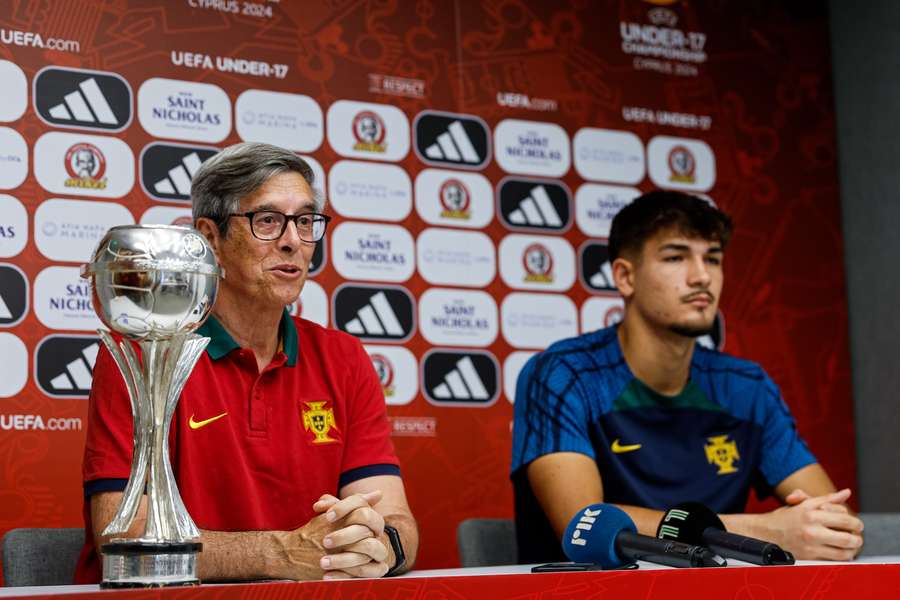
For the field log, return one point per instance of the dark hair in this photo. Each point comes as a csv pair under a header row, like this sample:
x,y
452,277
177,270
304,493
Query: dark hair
x,y
658,210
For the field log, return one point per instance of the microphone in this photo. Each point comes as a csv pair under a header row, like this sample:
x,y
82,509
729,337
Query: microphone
x,y
604,534
694,523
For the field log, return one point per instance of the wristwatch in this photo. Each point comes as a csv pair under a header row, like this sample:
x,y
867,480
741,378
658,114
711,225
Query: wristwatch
x,y
399,555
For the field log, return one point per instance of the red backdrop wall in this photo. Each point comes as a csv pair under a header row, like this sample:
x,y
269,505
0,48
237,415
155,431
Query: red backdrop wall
x,y
732,100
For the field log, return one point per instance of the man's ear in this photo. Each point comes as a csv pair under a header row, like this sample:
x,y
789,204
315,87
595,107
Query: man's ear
x,y
210,231
623,276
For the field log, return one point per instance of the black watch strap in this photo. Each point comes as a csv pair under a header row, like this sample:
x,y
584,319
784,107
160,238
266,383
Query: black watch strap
x,y
397,546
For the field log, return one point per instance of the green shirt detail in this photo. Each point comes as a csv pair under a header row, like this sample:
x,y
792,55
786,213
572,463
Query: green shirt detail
x,y
637,395
221,342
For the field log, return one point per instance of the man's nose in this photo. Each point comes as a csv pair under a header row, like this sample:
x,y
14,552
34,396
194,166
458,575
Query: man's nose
x,y
699,273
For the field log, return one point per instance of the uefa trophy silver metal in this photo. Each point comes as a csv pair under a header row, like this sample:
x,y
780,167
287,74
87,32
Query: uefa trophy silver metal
x,y
154,285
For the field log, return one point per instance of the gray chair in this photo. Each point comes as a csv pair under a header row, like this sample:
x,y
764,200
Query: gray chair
x,y
486,542
34,556
882,534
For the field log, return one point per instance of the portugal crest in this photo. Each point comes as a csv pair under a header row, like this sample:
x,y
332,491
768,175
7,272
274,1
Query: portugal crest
x,y
722,453
320,421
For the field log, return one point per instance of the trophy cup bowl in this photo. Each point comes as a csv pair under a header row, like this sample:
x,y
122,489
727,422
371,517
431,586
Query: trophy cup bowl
x,y
154,285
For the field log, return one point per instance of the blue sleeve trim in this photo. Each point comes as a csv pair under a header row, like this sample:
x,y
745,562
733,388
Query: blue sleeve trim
x,y
348,477
104,485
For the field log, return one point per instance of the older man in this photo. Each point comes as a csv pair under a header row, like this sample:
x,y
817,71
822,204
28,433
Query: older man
x,y
280,444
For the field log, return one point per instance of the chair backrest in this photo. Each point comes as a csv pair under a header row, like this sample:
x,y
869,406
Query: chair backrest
x,y
486,542
881,535
41,556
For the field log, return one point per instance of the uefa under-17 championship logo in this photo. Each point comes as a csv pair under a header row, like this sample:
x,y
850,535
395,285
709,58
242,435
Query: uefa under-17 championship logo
x,y
538,264
86,167
455,200
369,131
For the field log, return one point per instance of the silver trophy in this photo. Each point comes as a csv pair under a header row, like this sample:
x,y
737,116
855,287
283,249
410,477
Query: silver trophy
x,y
154,285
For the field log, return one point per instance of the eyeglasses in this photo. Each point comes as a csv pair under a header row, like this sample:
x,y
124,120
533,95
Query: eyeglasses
x,y
270,225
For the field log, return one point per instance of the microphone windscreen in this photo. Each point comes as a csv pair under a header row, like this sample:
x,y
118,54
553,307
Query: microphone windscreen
x,y
686,523
591,535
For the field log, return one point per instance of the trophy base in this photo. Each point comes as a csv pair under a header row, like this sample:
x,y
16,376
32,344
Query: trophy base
x,y
137,564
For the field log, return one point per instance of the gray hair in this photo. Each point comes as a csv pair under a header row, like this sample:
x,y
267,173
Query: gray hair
x,y
237,171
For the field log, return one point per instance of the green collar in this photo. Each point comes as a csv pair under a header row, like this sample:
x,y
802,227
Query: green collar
x,y
221,342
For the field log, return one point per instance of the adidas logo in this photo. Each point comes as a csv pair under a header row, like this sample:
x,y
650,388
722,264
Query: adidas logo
x,y
64,365
374,313
13,295
465,378
445,138
82,99
596,270
167,169
603,279
524,205
179,178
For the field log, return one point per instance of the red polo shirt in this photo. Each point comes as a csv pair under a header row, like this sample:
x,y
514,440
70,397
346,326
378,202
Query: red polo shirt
x,y
251,451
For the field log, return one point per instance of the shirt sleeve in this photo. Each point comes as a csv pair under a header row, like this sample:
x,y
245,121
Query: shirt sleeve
x,y
784,451
368,447
109,442
550,412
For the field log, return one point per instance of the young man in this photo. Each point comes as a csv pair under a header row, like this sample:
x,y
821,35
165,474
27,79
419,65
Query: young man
x,y
639,416
273,498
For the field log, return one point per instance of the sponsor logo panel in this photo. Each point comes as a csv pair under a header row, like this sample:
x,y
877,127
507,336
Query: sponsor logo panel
x,y
450,257
64,365
596,205
368,130
458,317
532,262
413,426
365,190
595,269
453,378
512,366
396,86
397,371
62,300
13,226
167,169
13,295
312,304
69,230
184,110
601,311
373,252
534,204
374,313
76,98
680,163
14,100
454,198
537,320
532,148
13,159
608,155
448,139
291,121
78,164
14,366
167,215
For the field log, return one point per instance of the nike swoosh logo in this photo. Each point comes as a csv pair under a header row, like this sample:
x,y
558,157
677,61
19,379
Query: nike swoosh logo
x,y
198,424
618,448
